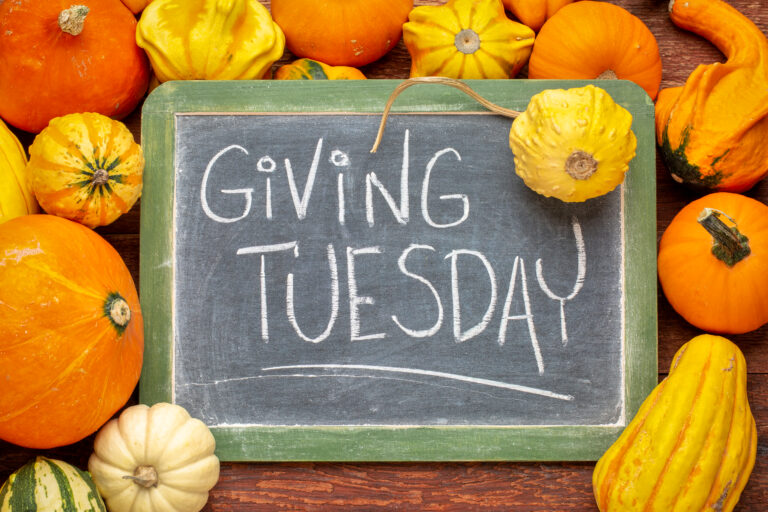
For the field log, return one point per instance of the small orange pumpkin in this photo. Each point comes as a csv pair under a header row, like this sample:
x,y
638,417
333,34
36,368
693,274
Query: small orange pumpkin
x,y
308,69
534,13
136,6
71,333
597,40
341,32
86,168
57,58
713,263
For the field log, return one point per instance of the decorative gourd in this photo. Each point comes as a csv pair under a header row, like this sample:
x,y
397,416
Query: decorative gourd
x,y
86,168
136,6
573,144
16,198
712,130
49,485
341,32
597,40
308,69
713,263
534,13
58,58
466,39
209,39
71,333
154,459
692,444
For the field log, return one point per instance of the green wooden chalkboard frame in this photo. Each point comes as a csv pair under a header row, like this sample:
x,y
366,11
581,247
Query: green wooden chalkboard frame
x,y
386,443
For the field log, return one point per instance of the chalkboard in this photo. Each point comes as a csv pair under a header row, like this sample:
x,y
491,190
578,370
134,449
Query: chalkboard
x,y
310,300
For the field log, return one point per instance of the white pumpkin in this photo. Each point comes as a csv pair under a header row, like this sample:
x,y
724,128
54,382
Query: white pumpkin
x,y
154,459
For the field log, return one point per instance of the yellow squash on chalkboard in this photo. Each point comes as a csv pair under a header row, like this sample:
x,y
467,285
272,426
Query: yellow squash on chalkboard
x,y
692,444
573,144
209,39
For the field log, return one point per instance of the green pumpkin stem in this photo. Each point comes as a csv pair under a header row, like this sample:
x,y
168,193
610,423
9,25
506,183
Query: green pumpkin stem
x,y
728,244
72,20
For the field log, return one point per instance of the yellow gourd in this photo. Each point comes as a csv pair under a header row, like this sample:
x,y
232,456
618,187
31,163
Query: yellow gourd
x,y
466,39
573,144
16,197
209,39
692,444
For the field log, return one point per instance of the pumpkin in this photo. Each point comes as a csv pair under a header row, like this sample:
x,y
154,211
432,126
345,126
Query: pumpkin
x,y
692,444
154,459
466,39
16,198
209,39
49,485
71,334
58,58
136,6
534,13
86,168
308,69
712,130
600,40
341,32
713,263
573,144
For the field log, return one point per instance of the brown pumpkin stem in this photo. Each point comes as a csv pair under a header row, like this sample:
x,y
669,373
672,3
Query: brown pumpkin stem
x,y
467,41
580,165
608,74
728,244
72,20
145,476
100,177
452,82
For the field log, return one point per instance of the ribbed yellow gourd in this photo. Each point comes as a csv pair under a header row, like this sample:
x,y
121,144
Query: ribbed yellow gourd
x,y
209,39
573,144
692,444
16,197
466,39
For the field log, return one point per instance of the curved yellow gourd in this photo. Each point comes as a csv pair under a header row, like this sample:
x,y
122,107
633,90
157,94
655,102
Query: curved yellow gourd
x,y
209,39
16,196
466,39
692,444
573,144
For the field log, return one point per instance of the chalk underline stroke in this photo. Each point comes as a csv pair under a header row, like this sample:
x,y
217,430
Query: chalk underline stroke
x,y
430,373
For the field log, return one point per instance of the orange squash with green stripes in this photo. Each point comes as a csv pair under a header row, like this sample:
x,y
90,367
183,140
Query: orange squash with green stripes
x,y
308,69
692,444
86,168
71,331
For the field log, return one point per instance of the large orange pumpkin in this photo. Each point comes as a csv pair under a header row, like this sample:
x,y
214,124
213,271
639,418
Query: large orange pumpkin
x,y
713,263
71,332
58,58
597,40
341,32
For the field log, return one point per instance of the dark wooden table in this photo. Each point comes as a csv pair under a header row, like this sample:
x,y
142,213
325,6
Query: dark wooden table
x,y
473,485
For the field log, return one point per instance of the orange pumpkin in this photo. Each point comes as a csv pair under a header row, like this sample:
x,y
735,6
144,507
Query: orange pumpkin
x,y
58,58
597,40
713,263
341,32
71,333
534,13
136,6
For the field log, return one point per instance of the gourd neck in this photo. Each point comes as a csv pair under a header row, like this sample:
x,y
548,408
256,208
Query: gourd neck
x,y
728,244
72,20
145,476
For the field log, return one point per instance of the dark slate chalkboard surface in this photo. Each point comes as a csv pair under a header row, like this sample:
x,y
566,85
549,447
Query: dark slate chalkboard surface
x,y
318,289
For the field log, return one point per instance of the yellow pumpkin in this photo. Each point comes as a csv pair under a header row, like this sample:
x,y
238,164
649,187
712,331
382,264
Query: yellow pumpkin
x,y
466,39
16,198
573,144
209,39
692,444
308,69
86,168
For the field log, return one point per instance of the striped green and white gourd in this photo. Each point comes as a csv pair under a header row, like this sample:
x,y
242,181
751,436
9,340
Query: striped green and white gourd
x,y
52,486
